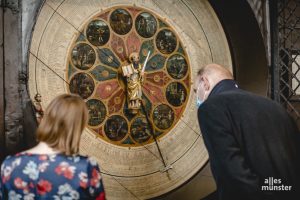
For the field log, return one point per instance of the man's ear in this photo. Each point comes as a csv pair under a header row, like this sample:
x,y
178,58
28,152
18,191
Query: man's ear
x,y
206,83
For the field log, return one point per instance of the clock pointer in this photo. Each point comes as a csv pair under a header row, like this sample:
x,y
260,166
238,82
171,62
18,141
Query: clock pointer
x,y
166,167
145,63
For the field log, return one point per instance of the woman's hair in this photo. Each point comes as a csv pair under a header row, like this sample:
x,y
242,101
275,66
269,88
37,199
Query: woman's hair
x,y
63,123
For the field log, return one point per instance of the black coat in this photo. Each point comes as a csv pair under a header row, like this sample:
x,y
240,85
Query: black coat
x,y
249,138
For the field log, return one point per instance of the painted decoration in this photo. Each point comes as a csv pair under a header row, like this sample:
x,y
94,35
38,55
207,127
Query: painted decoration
x,y
176,94
116,128
83,56
166,41
177,66
146,25
121,21
163,116
82,84
95,72
98,33
97,112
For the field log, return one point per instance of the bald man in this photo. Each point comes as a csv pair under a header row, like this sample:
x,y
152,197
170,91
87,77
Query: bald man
x,y
252,142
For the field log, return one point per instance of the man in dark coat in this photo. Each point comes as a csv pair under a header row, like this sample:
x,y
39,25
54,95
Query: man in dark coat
x,y
252,142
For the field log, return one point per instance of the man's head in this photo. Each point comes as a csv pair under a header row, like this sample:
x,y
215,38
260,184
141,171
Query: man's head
x,y
207,78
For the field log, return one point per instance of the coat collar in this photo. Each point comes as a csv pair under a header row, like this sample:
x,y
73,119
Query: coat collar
x,y
222,86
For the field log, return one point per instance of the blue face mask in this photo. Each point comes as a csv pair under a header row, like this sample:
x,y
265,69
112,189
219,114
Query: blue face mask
x,y
198,102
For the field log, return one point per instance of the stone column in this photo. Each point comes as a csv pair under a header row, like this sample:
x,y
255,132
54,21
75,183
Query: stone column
x,y
12,65
2,136
17,122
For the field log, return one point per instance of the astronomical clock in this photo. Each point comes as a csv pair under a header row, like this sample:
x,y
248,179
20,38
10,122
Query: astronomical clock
x,y
134,64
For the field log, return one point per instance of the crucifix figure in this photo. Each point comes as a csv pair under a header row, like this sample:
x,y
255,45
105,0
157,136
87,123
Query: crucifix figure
x,y
134,73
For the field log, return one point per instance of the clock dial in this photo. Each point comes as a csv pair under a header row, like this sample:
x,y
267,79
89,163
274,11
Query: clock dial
x,y
166,84
81,46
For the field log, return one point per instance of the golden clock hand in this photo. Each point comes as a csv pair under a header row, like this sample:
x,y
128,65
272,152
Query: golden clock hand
x,y
166,167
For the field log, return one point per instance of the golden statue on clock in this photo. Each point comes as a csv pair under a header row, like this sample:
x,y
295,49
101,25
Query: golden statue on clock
x,y
134,74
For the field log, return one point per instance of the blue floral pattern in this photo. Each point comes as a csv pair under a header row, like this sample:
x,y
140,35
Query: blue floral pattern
x,y
59,177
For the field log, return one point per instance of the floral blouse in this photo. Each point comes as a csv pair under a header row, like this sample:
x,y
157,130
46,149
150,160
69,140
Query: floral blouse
x,y
40,176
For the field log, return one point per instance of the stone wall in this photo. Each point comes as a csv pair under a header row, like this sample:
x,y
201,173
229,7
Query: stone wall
x,y
17,19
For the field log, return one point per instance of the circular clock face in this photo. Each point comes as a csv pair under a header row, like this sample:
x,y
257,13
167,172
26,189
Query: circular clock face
x,y
83,47
96,57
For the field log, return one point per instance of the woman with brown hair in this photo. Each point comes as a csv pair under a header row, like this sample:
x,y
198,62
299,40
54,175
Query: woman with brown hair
x,y
53,169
